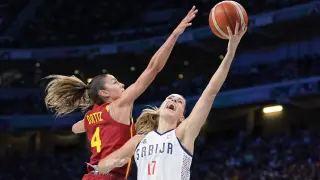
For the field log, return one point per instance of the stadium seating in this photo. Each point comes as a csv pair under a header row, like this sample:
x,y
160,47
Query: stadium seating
x,y
60,23
8,12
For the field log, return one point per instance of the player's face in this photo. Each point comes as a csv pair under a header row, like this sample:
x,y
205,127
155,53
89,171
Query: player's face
x,y
173,107
113,87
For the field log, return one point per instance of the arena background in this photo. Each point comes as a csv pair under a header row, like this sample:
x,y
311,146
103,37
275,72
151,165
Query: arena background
x,y
277,63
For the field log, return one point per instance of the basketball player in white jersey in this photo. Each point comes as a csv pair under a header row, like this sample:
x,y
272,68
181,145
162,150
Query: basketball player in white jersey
x,y
165,152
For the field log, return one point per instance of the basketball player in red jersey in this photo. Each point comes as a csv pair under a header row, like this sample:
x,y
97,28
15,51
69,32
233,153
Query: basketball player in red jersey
x,y
108,124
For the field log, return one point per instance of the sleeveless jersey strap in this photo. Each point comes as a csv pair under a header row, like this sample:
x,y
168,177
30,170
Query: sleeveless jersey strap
x,y
130,161
131,119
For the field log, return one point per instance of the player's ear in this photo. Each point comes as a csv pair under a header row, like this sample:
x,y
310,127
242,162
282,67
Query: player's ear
x,y
103,93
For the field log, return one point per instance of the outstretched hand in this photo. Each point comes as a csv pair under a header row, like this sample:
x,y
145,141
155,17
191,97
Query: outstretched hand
x,y
186,22
234,39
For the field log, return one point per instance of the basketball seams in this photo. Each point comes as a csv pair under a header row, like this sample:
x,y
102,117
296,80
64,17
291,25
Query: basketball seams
x,y
212,26
245,15
213,16
240,14
226,13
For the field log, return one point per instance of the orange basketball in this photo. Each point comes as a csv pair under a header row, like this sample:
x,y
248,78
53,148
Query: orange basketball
x,y
226,13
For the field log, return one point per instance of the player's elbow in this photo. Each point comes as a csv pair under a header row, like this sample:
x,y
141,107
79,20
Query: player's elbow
x,y
77,130
74,130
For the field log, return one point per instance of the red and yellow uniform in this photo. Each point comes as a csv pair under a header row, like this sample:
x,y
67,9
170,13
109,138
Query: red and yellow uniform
x,y
106,135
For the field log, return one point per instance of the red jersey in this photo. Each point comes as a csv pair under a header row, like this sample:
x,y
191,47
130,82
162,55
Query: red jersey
x,y
106,135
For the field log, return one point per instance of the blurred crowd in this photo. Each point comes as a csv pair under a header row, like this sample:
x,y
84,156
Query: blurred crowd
x,y
63,166
284,156
59,22
238,156
9,10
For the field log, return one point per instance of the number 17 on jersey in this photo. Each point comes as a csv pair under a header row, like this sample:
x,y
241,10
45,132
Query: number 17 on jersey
x,y
151,167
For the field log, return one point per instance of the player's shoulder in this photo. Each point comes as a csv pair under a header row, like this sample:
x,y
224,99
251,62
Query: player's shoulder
x,y
99,113
104,106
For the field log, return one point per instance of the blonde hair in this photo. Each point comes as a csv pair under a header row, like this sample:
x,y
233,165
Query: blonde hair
x,y
147,121
65,94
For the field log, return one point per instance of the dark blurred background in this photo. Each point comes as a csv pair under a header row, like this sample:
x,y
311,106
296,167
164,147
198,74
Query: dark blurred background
x,y
277,63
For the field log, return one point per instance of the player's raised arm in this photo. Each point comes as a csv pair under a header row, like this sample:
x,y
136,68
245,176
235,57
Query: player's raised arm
x,y
119,157
156,64
192,125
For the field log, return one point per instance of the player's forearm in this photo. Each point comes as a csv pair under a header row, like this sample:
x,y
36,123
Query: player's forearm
x,y
160,58
219,76
109,163
120,157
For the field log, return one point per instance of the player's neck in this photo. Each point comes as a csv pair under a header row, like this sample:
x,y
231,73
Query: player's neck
x,y
165,126
109,100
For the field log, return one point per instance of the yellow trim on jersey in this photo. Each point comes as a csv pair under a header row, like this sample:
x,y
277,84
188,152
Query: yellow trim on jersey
x,y
130,161
107,108
132,124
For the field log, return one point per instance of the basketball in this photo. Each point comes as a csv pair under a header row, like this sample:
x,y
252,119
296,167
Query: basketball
x,y
224,14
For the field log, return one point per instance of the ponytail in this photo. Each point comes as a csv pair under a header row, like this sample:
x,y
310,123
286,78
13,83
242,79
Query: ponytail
x,y
64,94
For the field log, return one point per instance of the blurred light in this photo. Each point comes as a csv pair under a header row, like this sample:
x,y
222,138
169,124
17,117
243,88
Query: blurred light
x,y
186,63
76,71
132,68
104,71
89,80
37,64
221,56
180,76
272,109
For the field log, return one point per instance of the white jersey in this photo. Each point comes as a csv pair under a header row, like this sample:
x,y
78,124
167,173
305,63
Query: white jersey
x,y
162,157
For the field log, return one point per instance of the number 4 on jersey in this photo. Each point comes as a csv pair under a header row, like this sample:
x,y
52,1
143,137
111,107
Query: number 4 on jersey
x,y
95,140
151,167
